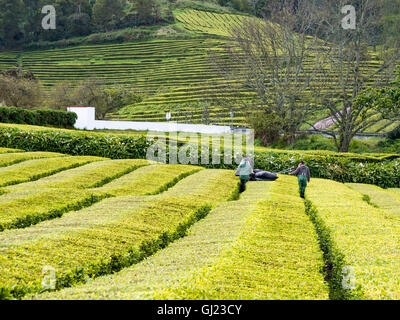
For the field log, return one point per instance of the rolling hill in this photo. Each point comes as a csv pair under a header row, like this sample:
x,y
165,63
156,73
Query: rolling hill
x,y
173,74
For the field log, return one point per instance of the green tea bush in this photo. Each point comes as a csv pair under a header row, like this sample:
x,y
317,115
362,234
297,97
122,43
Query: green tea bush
x,y
385,174
112,234
62,119
75,143
359,241
379,169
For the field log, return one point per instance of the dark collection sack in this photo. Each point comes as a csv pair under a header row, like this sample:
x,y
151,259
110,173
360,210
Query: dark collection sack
x,y
261,175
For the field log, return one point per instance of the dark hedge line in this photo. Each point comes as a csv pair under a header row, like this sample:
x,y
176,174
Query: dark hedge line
x,y
75,143
384,173
60,119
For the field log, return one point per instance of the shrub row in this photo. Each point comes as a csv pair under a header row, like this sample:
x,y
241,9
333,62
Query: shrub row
x,y
8,150
351,168
385,174
8,159
75,143
36,169
32,202
95,174
359,240
277,256
99,240
378,197
204,244
24,206
61,119
149,180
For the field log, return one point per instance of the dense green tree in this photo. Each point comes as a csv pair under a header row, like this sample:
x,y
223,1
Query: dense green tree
x,y
147,11
107,13
12,19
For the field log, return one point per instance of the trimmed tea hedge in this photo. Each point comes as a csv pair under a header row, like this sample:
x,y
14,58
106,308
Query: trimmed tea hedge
x,y
35,169
148,180
352,168
8,159
75,143
244,249
8,150
385,174
61,119
205,243
360,242
108,236
276,257
379,197
96,174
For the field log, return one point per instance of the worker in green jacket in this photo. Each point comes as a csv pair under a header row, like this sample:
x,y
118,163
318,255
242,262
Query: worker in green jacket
x,y
304,177
244,171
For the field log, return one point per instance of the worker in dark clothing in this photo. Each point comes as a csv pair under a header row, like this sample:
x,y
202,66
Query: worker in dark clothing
x,y
304,177
244,171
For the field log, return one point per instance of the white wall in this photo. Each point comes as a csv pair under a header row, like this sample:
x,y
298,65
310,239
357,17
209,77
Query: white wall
x,y
86,121
86,117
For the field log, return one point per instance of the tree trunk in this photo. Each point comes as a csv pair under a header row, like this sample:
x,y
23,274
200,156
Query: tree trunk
x,y
344,142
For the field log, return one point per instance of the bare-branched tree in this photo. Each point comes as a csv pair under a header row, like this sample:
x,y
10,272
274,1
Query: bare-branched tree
x,y
350,67
20,92
270,60
304,63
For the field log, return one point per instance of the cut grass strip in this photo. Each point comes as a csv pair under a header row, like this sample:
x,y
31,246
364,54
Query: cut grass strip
x,y
382,198
362,241
110,235
35,169
205,242
397,190
8,159
92,175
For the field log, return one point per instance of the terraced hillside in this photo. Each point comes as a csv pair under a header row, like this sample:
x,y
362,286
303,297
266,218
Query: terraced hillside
x,y
174,75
